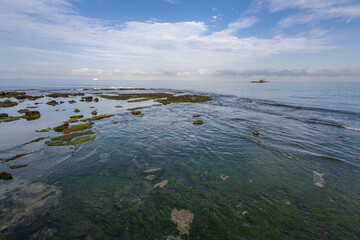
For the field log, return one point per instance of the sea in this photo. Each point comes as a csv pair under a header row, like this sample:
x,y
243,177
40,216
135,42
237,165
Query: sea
x,y
298,178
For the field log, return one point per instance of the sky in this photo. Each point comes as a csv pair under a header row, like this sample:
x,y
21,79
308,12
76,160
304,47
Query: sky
x,y
240,40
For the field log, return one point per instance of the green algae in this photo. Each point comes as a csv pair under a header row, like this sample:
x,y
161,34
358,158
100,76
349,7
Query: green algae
x,y
61,127
77,116
78,127
10,118
57,143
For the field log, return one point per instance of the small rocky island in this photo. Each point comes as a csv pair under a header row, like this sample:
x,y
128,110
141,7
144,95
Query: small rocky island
x,y
260,81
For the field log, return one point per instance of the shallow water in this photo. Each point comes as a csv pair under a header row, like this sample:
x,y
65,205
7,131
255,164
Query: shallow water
x,y
298,179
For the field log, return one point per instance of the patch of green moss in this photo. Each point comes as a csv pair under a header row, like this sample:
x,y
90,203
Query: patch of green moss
x,y
76,128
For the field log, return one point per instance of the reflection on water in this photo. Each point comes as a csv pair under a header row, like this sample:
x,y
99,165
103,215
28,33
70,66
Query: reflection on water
x,y
159,176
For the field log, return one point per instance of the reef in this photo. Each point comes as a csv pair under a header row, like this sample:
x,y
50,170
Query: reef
x,y
64,95
184,98
136,95
5,176
8,103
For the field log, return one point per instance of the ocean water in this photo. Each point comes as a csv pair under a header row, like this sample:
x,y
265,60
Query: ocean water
x,y
298,179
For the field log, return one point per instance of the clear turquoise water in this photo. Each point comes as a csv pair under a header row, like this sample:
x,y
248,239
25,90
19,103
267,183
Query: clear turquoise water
x,y
239,186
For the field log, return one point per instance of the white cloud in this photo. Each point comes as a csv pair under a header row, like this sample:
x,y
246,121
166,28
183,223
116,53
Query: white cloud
x,y
173,1
52,28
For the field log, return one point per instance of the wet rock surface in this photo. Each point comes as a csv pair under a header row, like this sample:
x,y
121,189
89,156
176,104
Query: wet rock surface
x,y
5,176
7,104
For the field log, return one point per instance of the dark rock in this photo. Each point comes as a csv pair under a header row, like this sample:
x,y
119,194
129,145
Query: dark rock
x,y
260,81
256,133
87,99
3,115
94,112
76,110
72,101
198,122
65,95
96,99
18,166
184,98
5,176
22,111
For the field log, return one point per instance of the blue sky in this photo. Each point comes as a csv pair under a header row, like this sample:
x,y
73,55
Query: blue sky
x,y
181,39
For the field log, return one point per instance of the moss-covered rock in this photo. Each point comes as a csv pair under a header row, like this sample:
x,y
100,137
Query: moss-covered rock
x,y
76,110
136,95
256,133
72,101
22,111
81,140
32,115
43,130
94,112
76,128
61,127
137,113
10,118
52,144
18,166
52,103
94,118
3,115
196,115
118,106
17,156
8,103
36,140
87,99
184,98
64,95
197,122
70,136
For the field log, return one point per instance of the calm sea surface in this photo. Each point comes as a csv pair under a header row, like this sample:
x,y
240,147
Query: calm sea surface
x,y
298,179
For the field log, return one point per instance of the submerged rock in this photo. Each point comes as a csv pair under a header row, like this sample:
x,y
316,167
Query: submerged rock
x,y
3,115
43,130
96,99
196,115
256,133
5,176
22,111
161,185
76,128
150,177
182,219
36,140
94,112
318,179
197,122
152,170
137,95
139,113
72,101
76,110
17,156
94,118
70,136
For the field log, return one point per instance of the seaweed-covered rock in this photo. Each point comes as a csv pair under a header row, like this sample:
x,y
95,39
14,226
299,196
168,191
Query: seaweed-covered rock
x,y
94,112
96,99
52,103
197,122
43,130
12,94
196,115
87,99
184,98
5,176
136,113
10,118
76,110
76,128
3,115
8,103
36,140
70,136
94,118
72,101
17,156
32,115
256,133
137,95
61,127
22,111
